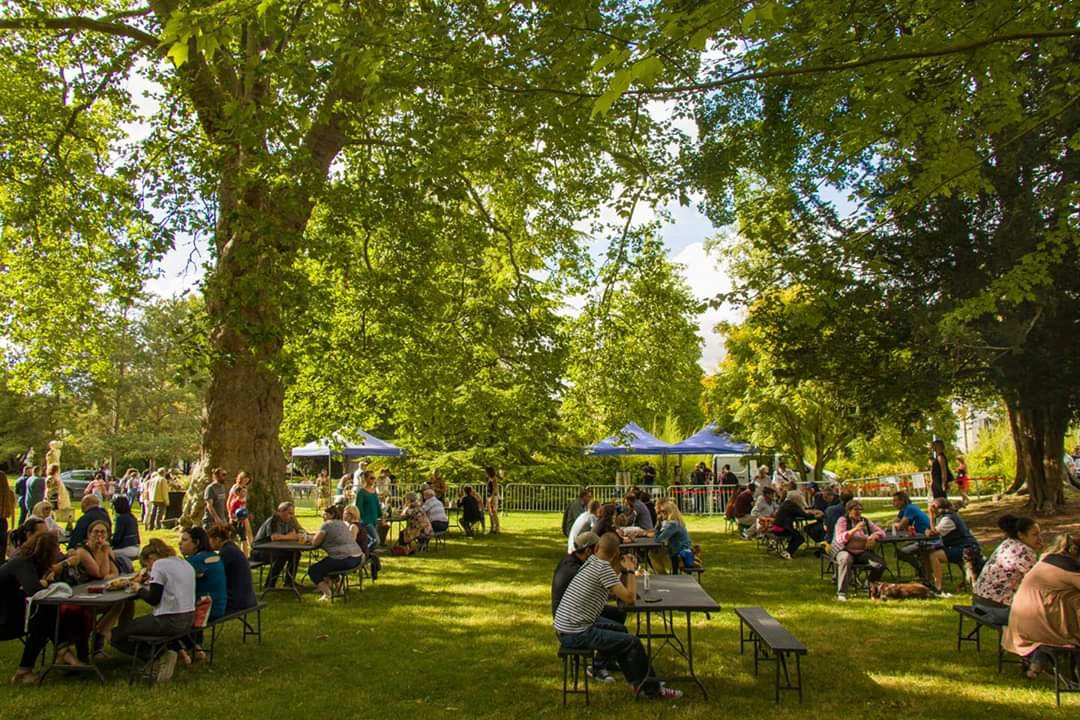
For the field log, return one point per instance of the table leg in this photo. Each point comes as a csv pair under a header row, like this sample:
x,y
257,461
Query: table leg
x,y
56,645
690,654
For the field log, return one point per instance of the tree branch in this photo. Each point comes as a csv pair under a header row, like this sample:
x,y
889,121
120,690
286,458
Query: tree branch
x,y
79,23
854,64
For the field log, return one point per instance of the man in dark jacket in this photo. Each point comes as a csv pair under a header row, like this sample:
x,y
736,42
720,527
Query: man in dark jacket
x,y
578,506
92,512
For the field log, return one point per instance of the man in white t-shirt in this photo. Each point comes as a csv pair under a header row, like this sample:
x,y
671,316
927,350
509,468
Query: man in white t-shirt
x,y
582,523
578,623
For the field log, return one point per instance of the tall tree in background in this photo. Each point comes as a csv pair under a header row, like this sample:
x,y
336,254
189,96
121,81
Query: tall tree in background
x,y
634,351
258,103
952,128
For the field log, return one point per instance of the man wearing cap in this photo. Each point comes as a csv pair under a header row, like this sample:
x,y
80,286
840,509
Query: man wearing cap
x,y
584,544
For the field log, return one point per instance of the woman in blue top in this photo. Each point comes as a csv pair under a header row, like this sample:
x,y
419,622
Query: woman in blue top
x,y
125,537
673,532
209,578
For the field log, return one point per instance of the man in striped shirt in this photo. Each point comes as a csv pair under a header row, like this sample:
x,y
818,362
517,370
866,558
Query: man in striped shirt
x,y
578,623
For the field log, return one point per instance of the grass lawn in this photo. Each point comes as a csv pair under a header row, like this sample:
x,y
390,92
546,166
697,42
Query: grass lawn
x,y
467,632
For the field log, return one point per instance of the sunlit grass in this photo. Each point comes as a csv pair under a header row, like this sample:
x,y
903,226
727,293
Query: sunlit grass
x,y
467,631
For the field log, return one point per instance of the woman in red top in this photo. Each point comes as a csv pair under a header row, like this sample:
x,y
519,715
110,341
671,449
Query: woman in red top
x,y
236,506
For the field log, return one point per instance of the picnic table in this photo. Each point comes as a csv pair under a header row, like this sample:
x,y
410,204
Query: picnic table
x,y
641,546
898,540
97,603
667,596
290,547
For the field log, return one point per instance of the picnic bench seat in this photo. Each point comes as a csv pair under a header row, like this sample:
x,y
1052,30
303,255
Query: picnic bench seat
x,y
974,634
339,581
571,662
156,645
250,630
438,539
772,643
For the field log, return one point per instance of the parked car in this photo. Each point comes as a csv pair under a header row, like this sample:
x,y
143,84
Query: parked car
x,y
76,481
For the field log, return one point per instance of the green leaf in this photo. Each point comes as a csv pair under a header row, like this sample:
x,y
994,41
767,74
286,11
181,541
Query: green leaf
x,y
647,70
178,53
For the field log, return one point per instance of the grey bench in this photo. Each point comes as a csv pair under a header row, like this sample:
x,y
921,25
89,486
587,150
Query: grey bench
x,y
772,643
250,630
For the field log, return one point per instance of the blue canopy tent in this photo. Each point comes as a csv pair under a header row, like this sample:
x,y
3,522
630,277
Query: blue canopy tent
x,y
369,445
710,441
631,440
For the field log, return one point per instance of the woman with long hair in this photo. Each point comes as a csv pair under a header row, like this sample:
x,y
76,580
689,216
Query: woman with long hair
x,y
1007,566
493,498
673,533
31,570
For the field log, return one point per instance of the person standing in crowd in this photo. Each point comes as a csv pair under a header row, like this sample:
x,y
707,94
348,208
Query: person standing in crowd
x,y
728,478
20,494
493,498
236,508
367,502
58,495
214,500
160,498
963,480
940,475
648,473
574,509
324,495
438,484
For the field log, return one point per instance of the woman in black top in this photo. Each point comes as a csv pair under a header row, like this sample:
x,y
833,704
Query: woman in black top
x,y
238,585
31,570
940,475
470,510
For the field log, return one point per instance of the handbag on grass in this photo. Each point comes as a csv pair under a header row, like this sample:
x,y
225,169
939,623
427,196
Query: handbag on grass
x,y
202,611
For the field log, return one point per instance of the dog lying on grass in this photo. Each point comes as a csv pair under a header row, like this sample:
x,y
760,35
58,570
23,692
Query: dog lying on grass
x,y
900,591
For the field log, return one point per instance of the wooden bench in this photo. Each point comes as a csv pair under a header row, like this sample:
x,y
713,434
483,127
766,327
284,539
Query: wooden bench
x,y
573,657
772,643
339,581
974,634
250,630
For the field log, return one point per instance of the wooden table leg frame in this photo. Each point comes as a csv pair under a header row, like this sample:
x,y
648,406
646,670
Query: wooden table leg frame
x,y
763,653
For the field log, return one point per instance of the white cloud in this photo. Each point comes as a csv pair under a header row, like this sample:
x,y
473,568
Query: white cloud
x,y
706,279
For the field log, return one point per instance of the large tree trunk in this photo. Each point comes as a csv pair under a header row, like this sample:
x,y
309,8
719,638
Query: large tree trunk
x,y
1040,437
257,238
1020,477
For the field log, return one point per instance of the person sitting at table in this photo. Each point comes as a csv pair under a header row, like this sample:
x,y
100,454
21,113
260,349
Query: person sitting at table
x,y
834,512
741,506
417,531
854,542
579,625
573,511
1046,607
762,513
1007,566
583,523
95,557
239,588
784,523
44,512
31,569
435,511
125,537
471,513
168,586
342,551
584,545
674,534
92,512
31,527
958,545
642,518
909,517
210,582
279,527
605,521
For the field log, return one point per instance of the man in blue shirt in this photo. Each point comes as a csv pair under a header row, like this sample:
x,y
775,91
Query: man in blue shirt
x,y
909,515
